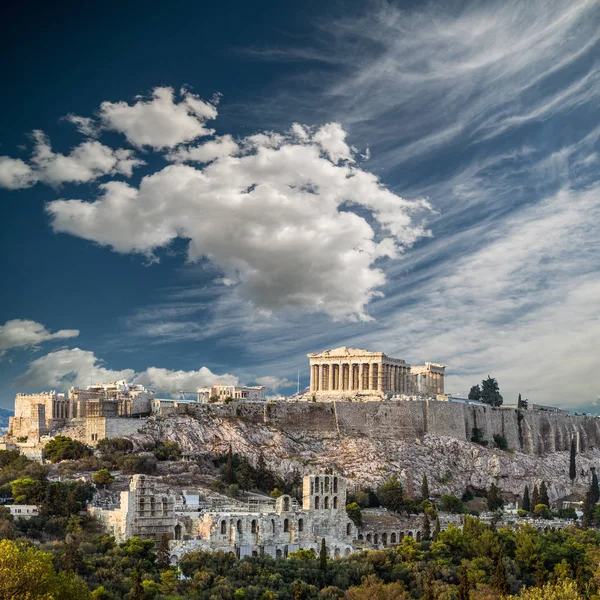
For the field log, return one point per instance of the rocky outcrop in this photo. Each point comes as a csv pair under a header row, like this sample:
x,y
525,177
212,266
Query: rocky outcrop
x,y
452,465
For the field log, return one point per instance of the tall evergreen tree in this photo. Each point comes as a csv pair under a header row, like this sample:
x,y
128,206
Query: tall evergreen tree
x,y
229,472
137,590
499,577
464,587
244,475
323,556
572,465
426,533
544,495
526,501
519,401
594,488
163,557
490,392
535,497
425,488
475,393
493,498
437,529
588,511
391,494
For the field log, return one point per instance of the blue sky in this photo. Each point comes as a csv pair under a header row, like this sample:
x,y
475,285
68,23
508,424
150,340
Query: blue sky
x,y
196,192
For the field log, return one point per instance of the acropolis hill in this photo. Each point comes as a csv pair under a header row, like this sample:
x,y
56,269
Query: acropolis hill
x,y
365,414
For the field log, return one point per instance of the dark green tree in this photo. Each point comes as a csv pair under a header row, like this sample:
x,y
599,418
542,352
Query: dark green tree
x,y
437,529
244,475
391,494
535,497
544,495
426,528
425,488
587,519
594,487
65,448
493,498
137,590
490,392
323,556
163,557
572,464
464,587
499,576
229,472
354,513
475,393
526,501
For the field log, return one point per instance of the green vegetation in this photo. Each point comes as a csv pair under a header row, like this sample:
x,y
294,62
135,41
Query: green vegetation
x,y
488,392
500,441
64,448
103,477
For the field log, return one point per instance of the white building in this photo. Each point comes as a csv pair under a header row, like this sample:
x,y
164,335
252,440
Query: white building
x,y
219,392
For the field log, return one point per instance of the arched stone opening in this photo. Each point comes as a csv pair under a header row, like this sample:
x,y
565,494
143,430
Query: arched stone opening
x,y
393,538
326,503
300,524
223,527
349,529
376,539
369,538
335,485
177,532
272,525
335,503
253,527
286,525
384,539
317,502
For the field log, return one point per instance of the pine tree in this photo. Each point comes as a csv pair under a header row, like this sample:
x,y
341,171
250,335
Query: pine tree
x,y
535,497
137,590
475,393
323,556
526,501
544,495
437,529
519,401
425,488
163,557
244,474
298,593
594,488
426,534
572,465
490,392
588,511
499,578
493,498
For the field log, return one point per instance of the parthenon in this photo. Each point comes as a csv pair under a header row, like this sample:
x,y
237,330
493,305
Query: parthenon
x,y
350,372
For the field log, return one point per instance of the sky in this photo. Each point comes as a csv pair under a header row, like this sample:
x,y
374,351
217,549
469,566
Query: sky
x,y
201,192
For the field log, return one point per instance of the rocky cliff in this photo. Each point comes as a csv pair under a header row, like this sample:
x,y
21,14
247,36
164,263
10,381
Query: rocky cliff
x,y
316,437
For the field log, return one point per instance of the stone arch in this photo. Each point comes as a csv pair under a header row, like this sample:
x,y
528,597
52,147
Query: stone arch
x,y
393,538
272,525
317,503
253,528
286,504
369,538
142,505
223,527
335,485
165,506
278,553
360,537
300,524
384,539
347,552
418,536
335,504
326,484
376,539
336,553
410,534
286,525
326,503
317,484
349,529
177,532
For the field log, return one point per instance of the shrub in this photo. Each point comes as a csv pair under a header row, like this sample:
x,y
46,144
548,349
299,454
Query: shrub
x,y
500,441
451,504
103,477
64,448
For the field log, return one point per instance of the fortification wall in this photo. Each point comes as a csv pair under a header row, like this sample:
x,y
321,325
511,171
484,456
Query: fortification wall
x,y
532,432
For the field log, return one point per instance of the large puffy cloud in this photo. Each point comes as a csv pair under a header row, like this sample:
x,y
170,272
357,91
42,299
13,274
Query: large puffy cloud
x,y
22,333
64,368
86,162
275,217
159,122
274,383
77,367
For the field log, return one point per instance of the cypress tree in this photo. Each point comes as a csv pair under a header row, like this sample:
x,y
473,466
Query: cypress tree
x,y
163,557
572,465
544,495
425,488
464,588
594,487
229,472
493,499
426,527
323,556
519,402
526,501
535,497
437,529
499,578
137,590
588,511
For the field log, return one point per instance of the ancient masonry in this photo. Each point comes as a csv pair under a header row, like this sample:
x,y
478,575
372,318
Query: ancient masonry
x,y
150,509
353,372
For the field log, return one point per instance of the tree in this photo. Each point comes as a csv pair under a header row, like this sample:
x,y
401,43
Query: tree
x,y
229,472
490,392
535,497
451,504
65,448
426,529
562,590
391,494
103,477
437,529
499,577
163,557
572,464
544,495
493,499
245,475
594,487
526,501
354,513
425,488
323,556
588,511
137,589
475,393
464,587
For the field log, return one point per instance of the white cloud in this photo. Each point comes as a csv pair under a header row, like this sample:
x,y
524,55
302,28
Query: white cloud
x,y
85,125
15,174
64,368
220,147
274,383
86,162
23,333
159,122
170,381
269,217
